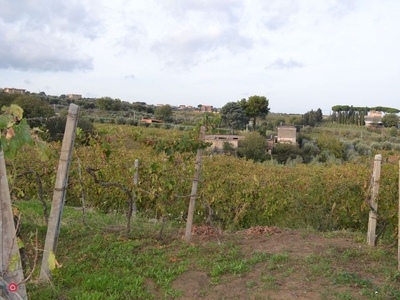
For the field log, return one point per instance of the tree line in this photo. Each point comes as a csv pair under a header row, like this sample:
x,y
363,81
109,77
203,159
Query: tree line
x,y
355,115
39,113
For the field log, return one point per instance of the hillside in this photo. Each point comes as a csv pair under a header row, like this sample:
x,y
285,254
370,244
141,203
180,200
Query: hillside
x,y
262,230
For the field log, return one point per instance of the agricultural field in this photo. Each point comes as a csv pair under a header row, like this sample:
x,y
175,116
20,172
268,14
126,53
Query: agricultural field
x,y
262,230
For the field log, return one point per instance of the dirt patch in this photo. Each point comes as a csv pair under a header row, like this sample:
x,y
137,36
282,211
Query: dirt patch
x,y
292,241
193,283
301,265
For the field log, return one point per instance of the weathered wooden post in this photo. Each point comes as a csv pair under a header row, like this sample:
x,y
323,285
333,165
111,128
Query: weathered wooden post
x,y
193,194
398,227
135,182
373,214
53,228
11,273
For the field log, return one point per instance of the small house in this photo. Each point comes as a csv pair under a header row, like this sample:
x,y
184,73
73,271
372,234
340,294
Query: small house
x,y
286,134
14,91
374,119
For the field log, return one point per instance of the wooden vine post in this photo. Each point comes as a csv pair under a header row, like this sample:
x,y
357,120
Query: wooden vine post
x,y
60,189
135,183
11,273
193,194
398,227
373,214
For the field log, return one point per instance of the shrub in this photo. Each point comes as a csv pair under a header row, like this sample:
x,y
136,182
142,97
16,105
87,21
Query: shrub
x,y
56,127
179,127
363,149
131,122
351,155
295,161
165,126
154,125
395,140
393,131
34,107
120,121
228,148
333,145
376,146
326,157
283,152
356,141
253,147
387,145
310,150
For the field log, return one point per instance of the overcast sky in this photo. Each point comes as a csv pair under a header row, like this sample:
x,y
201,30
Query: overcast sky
x,y
300,54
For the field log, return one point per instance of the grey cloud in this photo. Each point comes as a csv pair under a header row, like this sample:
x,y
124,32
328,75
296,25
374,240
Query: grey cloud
x,y
38,52
277,13
188,51
53,16
41,63
189,48
41,35
229,8
342,7
276,22
27,81
130,76
281,64
132,40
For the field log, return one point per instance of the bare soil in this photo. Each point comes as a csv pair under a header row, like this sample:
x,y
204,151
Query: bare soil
x,y
297,278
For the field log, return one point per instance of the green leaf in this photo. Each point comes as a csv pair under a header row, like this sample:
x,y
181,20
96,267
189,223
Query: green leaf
x,y
20,244
52,261
44,151
16,111
22,137
23,131
4,121
13,262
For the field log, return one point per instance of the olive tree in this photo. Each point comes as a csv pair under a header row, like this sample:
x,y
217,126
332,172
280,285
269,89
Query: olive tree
x,y
254,147
164,113
390,120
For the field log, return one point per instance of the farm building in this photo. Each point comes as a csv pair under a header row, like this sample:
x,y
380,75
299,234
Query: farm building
x,y
374,119
286,134
14,91
150,120
219,140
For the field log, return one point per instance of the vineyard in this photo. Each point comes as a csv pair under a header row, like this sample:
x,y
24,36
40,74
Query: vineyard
x,y
155,168
232,193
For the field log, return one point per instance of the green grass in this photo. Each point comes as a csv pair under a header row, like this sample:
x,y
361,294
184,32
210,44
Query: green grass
x,y
100,261
351,279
